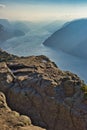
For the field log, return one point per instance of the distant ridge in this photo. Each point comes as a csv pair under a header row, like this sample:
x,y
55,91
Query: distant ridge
x,y
5,23
7,31
71,38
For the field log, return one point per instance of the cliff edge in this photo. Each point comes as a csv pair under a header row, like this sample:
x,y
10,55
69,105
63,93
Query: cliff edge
x,y
36,87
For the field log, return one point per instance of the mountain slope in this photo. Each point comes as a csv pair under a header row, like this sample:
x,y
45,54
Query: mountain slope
x,y
7,31
36,87
69,37
4,33
5,23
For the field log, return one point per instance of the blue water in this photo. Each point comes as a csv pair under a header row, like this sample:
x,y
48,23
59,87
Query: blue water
x,y
23,47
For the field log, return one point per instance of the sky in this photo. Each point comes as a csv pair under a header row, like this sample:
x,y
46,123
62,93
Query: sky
x,y
39,10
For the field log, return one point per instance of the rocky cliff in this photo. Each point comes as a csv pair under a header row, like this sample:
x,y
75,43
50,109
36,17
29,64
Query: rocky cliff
x,y
36,87
12,120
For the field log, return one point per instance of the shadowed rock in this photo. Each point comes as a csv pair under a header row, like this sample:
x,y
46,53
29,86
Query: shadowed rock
x,y
36,87
11,120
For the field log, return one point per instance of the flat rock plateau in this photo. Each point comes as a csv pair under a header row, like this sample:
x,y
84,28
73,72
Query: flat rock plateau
x,y
36,95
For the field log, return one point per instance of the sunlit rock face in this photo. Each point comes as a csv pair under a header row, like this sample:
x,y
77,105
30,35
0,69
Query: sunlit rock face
x,y
36,87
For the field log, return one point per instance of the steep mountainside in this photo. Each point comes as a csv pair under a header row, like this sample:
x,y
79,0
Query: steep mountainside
x,y
4,33
7,31
36,87
71,38
5,23
21,26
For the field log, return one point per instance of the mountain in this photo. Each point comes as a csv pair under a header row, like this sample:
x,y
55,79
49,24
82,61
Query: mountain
x,y
4,33
81,49
21,26
7,31
34,86
54,26
71,38
5,23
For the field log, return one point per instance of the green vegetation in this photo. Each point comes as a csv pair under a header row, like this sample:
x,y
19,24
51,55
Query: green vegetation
x,y
84,89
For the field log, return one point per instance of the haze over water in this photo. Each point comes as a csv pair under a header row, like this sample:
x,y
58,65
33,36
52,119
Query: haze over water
x,y
44,11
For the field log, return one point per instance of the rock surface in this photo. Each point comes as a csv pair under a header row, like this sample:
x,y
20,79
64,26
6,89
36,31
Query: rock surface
x,y
12,120
4,56
36,87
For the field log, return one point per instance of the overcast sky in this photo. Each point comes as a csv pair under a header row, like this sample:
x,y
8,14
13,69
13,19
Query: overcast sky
x,y
44,1
36,10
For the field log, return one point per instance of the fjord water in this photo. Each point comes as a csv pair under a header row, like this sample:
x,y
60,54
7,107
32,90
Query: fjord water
x,y
31,44
63,60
